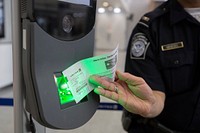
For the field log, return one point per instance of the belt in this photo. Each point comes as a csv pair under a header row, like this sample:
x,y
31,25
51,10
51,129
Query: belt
x,y
161,127
130,122
158,126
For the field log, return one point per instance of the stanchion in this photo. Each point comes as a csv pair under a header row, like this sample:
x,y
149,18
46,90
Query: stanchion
x,y
20,115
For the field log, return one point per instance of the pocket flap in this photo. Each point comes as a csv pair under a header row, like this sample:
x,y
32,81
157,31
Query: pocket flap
x,y
171,60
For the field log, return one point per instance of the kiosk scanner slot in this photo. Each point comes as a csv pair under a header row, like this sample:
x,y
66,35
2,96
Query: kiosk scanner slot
x,y
56,34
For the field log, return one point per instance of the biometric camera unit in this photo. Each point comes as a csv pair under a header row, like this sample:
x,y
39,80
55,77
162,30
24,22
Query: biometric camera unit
x,y
56,34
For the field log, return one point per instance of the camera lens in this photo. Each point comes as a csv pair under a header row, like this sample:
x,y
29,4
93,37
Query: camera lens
x,y
67,23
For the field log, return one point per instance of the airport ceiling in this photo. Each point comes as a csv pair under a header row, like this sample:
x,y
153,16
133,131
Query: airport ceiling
x,y
111,4
125,5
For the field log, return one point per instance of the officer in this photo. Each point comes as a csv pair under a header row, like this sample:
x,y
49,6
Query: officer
x,y
161,86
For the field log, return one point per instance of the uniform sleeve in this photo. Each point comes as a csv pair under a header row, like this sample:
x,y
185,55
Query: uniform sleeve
x,y
141,57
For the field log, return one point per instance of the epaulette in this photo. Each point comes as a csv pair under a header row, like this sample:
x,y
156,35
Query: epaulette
x,y
149,17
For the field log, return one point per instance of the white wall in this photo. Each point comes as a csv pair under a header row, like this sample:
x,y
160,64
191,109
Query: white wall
x,y
6,76
110,31
137,8
6,69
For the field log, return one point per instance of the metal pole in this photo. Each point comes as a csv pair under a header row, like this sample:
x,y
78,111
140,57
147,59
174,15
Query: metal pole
x,y
19,122
20,115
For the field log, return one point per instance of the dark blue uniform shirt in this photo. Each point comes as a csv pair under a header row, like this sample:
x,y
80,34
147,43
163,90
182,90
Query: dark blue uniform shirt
x,y
164,50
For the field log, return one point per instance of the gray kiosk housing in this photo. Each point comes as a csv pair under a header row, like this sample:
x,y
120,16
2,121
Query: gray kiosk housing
x,y
56,34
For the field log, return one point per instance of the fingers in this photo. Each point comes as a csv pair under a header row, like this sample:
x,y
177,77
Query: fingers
x,y
107,93
105,88
100,81
129,78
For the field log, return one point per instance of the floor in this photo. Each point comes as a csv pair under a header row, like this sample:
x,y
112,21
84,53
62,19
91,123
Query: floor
x,y
103,121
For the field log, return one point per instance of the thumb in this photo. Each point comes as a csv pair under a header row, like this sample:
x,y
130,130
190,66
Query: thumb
x,y
128,78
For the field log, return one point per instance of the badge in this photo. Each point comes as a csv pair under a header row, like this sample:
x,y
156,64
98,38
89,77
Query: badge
x,y
139,46
172,46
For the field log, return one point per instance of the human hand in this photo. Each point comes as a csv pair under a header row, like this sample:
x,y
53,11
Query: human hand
x,y
132,92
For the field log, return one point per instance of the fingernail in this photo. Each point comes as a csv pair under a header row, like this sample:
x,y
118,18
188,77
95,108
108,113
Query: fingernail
x,y
92,79
97,90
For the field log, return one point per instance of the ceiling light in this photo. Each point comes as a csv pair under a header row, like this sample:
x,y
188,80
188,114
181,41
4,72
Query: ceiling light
x,y
105,4
117,10
101,10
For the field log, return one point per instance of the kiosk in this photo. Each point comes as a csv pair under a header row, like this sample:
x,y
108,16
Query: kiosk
x,y
56,34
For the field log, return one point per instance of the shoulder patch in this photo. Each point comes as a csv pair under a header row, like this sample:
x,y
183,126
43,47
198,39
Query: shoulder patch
x,y
150,16
139,46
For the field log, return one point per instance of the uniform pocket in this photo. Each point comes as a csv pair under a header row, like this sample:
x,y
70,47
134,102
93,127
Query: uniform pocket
x,y
175,59
177,70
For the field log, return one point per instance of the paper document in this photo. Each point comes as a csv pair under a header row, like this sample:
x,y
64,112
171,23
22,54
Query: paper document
x,y
77,75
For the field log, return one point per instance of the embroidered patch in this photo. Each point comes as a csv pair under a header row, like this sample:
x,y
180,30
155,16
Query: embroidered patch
x,y
139,46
